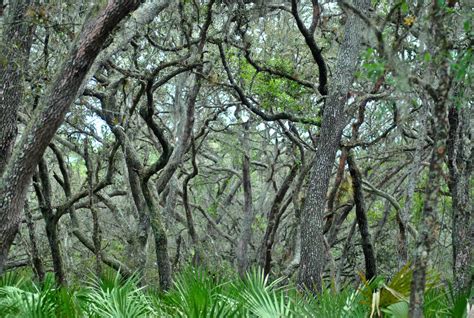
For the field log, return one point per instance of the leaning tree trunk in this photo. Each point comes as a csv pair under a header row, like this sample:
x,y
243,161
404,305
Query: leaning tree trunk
x,y
333,122
273,221
369,255
48,117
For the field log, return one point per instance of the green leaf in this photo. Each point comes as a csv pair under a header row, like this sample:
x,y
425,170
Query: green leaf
x,y
404,7
427,57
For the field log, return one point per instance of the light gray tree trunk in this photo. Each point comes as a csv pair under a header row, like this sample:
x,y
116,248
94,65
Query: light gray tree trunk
x,y
333,122
14,53
429,226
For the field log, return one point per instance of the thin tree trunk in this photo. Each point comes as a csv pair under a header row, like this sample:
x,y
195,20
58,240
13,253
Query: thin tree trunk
x,y
35,256
369,255
410,192
96,237
460,163
273,221
429,227
197,257
333,122
53,240
249,216
44,195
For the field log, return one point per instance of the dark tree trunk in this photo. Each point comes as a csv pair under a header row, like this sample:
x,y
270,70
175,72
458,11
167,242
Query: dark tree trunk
x,y
333,122
334,190
460,163
53,240
96,235
48,116
14,50
249,216
43,190
369,255
35,256
197,257
273,221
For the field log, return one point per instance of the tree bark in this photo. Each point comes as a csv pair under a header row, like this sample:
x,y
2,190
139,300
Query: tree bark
x,y
197,257
35,256
333,122
14,53
273,221
460,163
429,227
249,216
48,117
44,196
369,255
96,235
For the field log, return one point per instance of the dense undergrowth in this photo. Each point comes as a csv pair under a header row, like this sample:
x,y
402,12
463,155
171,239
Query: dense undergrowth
x,y
198,293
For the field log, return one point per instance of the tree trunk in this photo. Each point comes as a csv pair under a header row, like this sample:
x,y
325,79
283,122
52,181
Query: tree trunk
x,y
96,235
53,240
197,257
410,192
333,122
14,52
49,115
249,216
35,257
273,221
44,196
369,255
460,165
429,227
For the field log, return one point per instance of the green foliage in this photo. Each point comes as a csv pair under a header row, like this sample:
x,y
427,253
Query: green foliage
x,y
372,65
45,300
399,310
276,93
124,300
397,289
198,292
346,303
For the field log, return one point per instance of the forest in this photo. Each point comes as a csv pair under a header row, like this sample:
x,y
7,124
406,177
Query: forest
x,y
236,158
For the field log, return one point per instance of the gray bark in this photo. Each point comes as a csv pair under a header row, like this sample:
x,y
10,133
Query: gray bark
x,y
35,256
429,227
245,238
333,122
14,53
460,163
